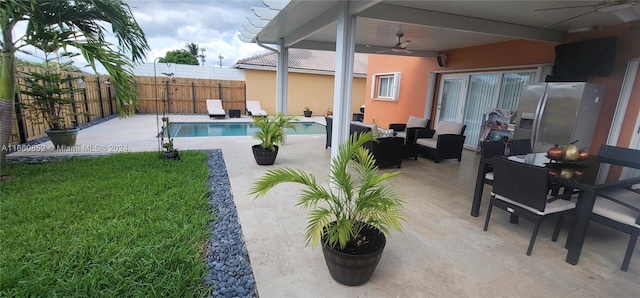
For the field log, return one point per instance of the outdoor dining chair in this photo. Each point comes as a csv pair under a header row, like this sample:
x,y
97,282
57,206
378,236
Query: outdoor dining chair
x,y
519,147
521,190
490,149
619,208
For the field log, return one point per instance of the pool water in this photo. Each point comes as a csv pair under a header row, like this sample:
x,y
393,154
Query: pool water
x,y
204,129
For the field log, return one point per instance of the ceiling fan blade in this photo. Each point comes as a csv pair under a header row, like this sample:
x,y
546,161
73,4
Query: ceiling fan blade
x,y
384,51
562,7
401,50
404,44
627,15
568,19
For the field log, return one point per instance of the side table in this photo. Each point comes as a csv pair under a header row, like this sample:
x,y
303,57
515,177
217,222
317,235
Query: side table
x,y
234,113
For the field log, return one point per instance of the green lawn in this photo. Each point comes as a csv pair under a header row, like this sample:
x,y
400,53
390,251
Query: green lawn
x,y
110,226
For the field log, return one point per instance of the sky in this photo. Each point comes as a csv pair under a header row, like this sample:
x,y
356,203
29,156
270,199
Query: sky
x,y
170,25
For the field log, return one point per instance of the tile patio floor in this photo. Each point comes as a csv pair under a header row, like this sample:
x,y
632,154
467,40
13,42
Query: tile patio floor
x,y
443,251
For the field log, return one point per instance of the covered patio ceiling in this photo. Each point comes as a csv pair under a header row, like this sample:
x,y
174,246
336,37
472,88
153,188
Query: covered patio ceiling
x,y
431,26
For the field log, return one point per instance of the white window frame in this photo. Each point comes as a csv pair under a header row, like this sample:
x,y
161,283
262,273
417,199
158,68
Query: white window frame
x,y
393,90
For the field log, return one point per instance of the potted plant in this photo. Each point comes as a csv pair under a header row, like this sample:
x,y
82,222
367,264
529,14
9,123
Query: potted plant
x,y
169,152
307,111
352,215
51,103
271,133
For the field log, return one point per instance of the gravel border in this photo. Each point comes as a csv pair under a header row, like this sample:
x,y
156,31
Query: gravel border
x,y
227,260
230,272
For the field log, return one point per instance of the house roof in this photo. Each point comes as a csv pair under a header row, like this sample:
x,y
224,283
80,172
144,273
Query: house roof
x,y
304,60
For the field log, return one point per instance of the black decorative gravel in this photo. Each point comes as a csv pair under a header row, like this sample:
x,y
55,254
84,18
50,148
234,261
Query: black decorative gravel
x,y
227,260
230,272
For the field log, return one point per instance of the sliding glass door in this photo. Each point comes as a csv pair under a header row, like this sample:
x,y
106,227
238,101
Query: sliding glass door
x,y
451,99
465,97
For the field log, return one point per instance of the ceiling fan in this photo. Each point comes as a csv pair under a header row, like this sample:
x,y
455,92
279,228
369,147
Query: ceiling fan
x,y
400,47
618,7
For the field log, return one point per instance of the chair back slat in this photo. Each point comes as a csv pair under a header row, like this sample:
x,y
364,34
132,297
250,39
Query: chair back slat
x,y
489,149
519,182
520,147
620,155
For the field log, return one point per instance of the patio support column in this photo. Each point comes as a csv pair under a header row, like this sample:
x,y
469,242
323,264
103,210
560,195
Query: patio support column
x,y
345,49
282,78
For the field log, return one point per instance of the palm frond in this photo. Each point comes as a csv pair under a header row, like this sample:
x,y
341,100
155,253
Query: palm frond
x,y
357,195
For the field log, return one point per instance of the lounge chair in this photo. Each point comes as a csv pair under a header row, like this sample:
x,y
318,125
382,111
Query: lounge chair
x,y
254,109
214,107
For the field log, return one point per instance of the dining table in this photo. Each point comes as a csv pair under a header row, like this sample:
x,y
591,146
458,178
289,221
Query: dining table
x,y
589,177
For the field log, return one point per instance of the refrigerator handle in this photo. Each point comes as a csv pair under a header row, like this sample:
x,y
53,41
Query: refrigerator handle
x,y
536,120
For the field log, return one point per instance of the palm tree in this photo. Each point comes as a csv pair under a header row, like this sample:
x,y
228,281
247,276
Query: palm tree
x,y
193,49
80,24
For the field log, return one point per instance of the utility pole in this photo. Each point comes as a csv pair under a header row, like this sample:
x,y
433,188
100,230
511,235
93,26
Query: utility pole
x,y
220,57
201,56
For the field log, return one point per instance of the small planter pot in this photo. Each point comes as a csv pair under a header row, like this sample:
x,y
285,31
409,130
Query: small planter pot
x,y
264,157
352,269
63,138
307,113
174,154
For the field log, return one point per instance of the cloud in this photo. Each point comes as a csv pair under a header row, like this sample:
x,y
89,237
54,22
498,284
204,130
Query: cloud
x,y
212,24
170,25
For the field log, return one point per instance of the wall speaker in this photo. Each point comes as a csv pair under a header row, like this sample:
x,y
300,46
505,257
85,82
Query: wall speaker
x,y
442,60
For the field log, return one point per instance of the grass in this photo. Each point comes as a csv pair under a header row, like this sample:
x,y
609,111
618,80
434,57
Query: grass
x,y
111,226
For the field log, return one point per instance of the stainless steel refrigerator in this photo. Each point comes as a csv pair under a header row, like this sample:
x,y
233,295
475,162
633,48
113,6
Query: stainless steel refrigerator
x,y
558,113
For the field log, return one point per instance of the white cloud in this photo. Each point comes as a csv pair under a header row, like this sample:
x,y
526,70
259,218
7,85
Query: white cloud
x,y
170,25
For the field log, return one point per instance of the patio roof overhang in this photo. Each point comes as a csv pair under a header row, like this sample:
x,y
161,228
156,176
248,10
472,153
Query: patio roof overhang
x,y
432,27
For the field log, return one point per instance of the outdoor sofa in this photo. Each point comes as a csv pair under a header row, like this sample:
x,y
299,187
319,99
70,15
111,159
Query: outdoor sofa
x,y
387,151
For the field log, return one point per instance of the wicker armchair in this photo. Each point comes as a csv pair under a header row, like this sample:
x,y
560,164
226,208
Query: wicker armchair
x,y
443,143
387,151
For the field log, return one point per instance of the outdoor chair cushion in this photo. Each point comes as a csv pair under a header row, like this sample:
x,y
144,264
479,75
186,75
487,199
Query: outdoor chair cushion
x,y
618,212
413,122
448,128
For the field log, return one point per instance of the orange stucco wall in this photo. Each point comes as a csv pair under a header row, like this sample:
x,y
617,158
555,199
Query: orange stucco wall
x,y
512,53
413,88
312,90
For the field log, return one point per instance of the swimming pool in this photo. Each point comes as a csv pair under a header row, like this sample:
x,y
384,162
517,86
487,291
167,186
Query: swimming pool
x,y
217,129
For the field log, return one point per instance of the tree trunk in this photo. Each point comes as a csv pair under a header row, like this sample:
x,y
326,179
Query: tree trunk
x,y
7,92
6,124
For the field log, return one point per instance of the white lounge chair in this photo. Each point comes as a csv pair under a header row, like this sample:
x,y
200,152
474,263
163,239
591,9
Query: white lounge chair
x,y
214,107
254,109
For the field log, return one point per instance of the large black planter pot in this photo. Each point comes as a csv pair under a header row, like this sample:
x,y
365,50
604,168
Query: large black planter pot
x,y
63,138
355,270
307,113
264,157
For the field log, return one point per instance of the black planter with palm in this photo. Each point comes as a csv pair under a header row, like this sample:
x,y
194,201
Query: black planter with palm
x,y
271,133
351,217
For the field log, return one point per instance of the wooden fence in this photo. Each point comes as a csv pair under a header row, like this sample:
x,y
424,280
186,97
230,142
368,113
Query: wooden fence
x,y
184,95
97,100
155,95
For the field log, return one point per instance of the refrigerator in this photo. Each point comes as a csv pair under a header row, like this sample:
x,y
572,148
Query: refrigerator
x,y
558,113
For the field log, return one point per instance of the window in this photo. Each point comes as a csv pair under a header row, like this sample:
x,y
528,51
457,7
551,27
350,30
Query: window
x,y
385,86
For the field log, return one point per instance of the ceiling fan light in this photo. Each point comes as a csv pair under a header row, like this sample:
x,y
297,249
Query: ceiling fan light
x,y
615,6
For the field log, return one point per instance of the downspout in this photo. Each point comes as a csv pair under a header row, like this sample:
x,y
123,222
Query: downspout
x,y
260,44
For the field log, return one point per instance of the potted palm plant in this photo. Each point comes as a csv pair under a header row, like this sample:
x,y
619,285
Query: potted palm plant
x,y
307,111
352,216
51,103
271,133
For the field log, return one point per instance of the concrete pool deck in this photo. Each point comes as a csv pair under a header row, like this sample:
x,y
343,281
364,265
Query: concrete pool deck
x,y
443,251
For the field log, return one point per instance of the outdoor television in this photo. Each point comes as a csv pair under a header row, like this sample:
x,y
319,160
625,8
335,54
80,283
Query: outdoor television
x,y
580,60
